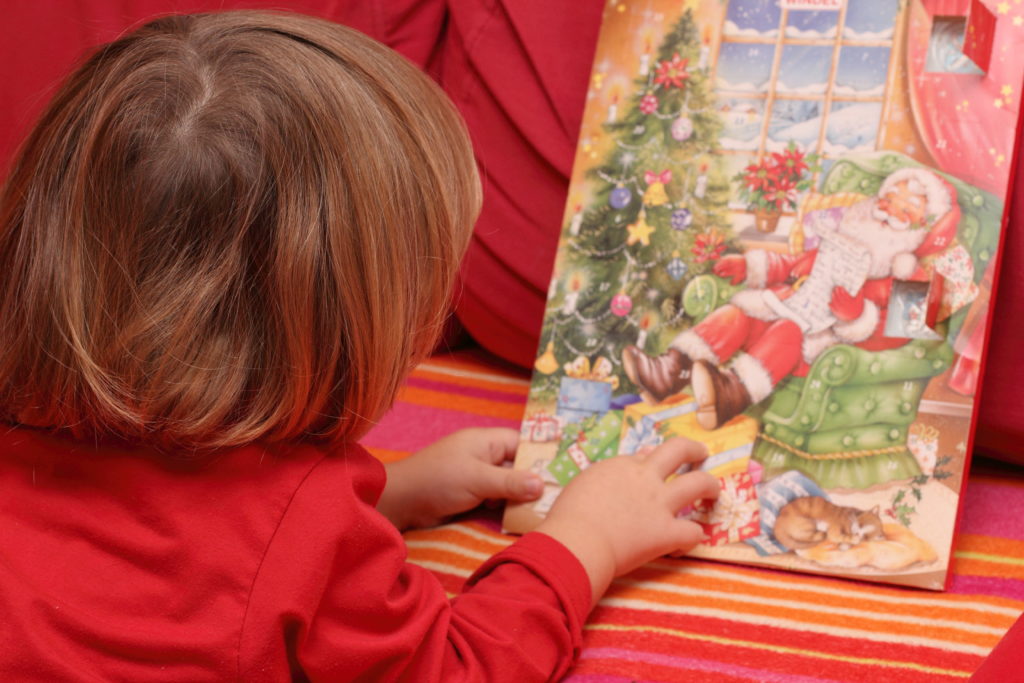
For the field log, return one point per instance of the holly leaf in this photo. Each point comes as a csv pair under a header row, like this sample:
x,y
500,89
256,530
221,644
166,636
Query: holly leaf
x,y
899,496
942,475
917,494
920,480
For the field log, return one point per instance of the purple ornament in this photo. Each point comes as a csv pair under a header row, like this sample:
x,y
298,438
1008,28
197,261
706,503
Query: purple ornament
x,y
681,219
619,197
682,129
676,268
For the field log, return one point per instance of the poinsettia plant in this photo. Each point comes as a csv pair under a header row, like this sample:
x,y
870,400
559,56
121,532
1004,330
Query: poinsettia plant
x,y
775,182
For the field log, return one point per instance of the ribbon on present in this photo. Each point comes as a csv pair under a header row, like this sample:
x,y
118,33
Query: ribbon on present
x,y
645,433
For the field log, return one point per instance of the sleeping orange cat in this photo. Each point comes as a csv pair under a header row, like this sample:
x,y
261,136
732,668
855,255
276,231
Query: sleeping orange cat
x,y
806,522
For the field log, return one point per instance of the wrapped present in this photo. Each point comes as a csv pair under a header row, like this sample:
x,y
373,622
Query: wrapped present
x,y
585,442
735,516
923,442
729,446
540,426
959,289
582,398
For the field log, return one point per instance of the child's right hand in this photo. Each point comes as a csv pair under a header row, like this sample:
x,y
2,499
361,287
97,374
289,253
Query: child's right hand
x,y
621,513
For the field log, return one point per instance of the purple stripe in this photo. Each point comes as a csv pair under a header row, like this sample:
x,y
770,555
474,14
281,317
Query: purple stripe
x,y
986,509
694,664
475,392
409,427
987,585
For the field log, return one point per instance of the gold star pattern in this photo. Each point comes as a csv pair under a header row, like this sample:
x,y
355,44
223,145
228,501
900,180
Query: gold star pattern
x,y
998,103
1003,7
1018,20
1005,91
640,231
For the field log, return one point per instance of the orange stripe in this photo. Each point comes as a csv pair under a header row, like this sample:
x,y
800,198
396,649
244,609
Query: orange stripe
x,y
952,612
464,404
475,382
801,580
444,557
807,616
999,570
475,361
387,455
993,545
443,535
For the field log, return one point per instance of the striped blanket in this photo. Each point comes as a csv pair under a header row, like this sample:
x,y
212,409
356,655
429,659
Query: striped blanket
x,y
693,620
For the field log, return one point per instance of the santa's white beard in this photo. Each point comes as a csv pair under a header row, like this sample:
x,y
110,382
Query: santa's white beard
x,y
874,229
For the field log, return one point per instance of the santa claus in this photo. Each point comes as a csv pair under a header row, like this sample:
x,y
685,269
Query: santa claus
x,y
795,306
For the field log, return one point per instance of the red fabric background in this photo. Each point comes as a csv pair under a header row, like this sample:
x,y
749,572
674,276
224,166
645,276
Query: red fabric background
x,y
518,71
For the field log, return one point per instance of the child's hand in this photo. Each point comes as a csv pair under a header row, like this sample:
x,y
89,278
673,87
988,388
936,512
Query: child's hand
x,y
455,474
620,512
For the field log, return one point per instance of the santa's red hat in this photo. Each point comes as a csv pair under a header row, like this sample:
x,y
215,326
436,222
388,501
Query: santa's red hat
x,y
940,205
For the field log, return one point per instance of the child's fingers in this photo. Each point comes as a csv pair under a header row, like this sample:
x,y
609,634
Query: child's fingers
x,y
685,489
503,482
502,444
688,535
673,454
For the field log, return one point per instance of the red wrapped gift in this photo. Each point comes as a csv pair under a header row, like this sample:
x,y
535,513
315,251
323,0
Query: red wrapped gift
x,y
541,426
735,516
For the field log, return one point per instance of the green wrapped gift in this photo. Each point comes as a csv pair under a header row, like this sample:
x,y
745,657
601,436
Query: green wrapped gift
x,y
586,442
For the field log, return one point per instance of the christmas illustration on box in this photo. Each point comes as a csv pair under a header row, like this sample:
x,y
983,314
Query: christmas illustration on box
x,y
762,253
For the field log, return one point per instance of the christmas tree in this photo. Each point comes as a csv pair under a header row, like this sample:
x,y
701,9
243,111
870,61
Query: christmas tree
x,y
657,219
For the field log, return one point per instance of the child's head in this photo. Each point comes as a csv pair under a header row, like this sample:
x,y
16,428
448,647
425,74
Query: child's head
x,y
230,227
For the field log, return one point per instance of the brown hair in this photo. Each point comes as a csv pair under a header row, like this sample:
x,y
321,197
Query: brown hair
x,y
230,227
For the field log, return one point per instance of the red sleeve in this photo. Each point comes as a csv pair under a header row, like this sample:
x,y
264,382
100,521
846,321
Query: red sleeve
x,y
1003,663
335,599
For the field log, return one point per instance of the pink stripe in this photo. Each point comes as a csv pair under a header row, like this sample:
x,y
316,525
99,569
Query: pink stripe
x,y
462,390
985,510
409,427
694,664
987,585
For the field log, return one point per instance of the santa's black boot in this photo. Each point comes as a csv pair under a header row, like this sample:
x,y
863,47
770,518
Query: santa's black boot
x,y
720,395
659,377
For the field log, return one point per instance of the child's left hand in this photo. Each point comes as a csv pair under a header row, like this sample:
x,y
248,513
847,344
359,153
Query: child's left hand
x,y
455,474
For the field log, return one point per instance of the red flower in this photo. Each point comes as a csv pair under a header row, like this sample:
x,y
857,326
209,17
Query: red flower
x,y
672,73
781,192
759,177
708,246
791,162
648,104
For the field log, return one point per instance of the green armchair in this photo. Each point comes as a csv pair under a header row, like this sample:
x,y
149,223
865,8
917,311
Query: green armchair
x,y
846,423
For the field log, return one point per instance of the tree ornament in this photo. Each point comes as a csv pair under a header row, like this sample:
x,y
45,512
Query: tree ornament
x,y
546,362
676,267
682,129
638,130
655,194
639,231
649,103
672,73
681,219
621,304
620,197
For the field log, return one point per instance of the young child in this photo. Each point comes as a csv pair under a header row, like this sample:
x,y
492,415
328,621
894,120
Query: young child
x,y
222,248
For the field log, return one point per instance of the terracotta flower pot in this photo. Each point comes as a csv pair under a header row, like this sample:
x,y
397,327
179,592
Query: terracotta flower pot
x,y
766,220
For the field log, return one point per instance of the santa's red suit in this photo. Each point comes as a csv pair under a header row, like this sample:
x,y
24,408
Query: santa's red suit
x,y
763,341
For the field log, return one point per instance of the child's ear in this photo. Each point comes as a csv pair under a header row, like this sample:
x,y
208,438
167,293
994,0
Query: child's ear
x,y
875,510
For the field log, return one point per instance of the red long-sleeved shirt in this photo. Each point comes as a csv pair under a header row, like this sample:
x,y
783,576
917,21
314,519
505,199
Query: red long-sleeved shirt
x,y
260,564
